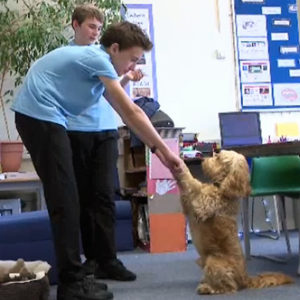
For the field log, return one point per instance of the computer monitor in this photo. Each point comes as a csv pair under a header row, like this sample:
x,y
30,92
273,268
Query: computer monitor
x,y
240,129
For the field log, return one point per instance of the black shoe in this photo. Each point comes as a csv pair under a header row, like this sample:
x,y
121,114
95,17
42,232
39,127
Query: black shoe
x,y
82,290
114,270
98,284
89,266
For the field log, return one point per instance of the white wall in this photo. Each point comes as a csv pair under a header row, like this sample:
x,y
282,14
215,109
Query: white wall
x,y
193,85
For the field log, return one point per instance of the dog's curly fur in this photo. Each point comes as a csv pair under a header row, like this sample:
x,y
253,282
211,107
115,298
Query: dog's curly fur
x,y
212,209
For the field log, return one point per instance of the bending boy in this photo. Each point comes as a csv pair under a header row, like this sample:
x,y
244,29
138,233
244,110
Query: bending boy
x,y
64,83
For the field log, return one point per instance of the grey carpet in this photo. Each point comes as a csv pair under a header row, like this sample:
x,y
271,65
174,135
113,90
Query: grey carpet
x,y
176,275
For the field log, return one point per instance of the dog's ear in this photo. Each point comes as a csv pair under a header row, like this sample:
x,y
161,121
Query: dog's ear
x,y
237,182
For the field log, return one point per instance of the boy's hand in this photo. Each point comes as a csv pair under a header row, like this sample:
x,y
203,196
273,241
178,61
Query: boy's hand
x,y
172,161
135,75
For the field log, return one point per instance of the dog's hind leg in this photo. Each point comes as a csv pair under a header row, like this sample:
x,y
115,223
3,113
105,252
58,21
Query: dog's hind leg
x,y
205,288
219,277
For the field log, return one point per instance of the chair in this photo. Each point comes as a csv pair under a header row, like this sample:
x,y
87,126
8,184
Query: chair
x,y
277,176
28,235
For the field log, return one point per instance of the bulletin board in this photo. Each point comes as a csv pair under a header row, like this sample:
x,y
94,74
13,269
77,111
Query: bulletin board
x,y
267,45
141,14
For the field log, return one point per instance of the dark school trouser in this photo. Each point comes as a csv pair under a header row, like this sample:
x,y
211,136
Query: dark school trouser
x,y
51,154
94,158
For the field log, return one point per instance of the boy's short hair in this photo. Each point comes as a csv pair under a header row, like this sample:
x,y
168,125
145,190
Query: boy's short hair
x,y
85,11
127,35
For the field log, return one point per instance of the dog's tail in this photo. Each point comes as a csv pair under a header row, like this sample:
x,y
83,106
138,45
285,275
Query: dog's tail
x,y
268,279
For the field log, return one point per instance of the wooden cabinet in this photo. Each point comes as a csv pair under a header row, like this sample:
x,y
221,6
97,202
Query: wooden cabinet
x,y
153,192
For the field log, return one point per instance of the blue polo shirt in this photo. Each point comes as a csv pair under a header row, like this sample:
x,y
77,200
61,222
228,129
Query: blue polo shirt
x,y
98,117
64,83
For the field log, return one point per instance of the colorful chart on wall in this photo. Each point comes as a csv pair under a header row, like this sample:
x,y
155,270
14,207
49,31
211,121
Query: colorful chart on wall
x,y
141,14
267,44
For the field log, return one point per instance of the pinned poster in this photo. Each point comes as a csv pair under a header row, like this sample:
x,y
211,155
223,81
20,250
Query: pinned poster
x,y
287,129
268,54
143,88
288,50
293,8
294,72
141,15
279,36
251,25
257,94
281,22
271,10
287,94
253,1
286,63
255,71
253,48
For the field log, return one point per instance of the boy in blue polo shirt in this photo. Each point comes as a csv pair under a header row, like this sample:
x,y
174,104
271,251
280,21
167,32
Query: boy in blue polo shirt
x,y
93,135
64,83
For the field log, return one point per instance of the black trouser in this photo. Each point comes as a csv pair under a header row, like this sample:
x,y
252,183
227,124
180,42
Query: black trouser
x,y
94,158
50,150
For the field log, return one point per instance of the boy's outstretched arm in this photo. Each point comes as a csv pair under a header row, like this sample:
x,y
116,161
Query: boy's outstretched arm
x,y
134,117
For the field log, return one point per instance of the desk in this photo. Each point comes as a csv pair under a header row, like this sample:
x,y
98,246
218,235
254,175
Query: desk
x,y
288,148
24,182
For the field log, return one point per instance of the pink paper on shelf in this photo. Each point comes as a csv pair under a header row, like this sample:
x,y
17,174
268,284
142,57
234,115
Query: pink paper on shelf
x,y
157,169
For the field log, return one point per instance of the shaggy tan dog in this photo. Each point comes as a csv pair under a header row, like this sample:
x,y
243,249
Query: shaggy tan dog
x,y
212,209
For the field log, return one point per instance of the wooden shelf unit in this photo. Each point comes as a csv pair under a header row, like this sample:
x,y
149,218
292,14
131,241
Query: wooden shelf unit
x,y
165,221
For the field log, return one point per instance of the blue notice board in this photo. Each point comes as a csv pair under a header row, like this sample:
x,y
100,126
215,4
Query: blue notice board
x,y
267,42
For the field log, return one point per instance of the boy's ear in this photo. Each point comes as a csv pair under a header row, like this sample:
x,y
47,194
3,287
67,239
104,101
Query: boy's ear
x,y
114,48
75,24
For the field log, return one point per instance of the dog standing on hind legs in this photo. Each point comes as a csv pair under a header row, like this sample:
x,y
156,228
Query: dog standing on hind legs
x,y
211,209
